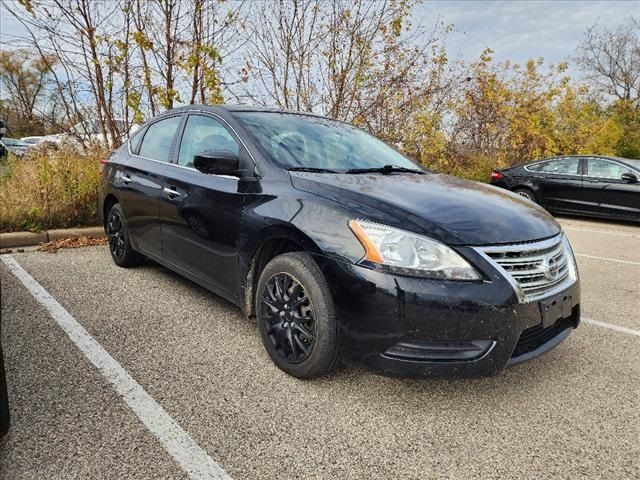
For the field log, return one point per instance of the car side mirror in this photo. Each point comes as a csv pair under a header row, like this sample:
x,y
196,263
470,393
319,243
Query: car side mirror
x,y
629,178
217,162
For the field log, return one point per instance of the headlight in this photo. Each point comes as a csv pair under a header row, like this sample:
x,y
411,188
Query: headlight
x,y
573,266
409,253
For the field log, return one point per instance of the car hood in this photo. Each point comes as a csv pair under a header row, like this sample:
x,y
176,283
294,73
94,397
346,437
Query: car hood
x,y
450,209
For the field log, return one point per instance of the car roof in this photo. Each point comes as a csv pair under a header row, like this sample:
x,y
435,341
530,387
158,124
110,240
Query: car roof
x,y
230,109
628,161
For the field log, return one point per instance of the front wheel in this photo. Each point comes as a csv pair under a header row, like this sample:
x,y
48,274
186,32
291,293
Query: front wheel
x,y
296,316
119,245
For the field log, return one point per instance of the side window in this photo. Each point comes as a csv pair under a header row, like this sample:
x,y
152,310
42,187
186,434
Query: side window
x,y
136,140
536,167
204,133
157,141
564,166
605,169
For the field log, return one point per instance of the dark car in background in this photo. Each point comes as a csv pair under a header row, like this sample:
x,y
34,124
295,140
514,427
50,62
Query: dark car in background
x,y
340,246
592,185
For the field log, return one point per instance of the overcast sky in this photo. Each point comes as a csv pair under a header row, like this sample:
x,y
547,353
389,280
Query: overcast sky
x,y
515,30
519,30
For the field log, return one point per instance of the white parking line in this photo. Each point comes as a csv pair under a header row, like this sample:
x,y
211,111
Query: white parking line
x,y
629,262
606,232
611,326
193,459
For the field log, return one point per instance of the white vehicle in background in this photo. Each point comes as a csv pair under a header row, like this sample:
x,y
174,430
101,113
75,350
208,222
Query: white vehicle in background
x,y
87,132
33,140
15,146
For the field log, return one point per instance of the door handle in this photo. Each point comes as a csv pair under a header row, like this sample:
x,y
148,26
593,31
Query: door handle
x,y
170,192
126,179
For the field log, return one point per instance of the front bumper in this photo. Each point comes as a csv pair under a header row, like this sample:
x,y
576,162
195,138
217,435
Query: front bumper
x,y
398,325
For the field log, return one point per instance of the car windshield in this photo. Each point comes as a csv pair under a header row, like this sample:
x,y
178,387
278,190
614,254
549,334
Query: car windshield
x,y
306,142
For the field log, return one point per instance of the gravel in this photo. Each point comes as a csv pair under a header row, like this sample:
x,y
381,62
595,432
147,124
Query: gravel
x,y
574,413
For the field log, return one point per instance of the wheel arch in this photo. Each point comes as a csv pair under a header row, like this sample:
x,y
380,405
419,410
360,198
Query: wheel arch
x,y
109,201
274,242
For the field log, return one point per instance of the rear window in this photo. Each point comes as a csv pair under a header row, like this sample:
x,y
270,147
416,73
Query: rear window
x,y
158,139
562,166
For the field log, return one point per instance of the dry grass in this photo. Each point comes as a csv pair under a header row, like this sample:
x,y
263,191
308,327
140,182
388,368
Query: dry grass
x,y
50,189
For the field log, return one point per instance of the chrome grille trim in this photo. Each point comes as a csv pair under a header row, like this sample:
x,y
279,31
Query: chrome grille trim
x,y
535,270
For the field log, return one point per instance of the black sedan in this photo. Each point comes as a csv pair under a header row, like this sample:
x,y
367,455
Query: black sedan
x,y
341,247
592,185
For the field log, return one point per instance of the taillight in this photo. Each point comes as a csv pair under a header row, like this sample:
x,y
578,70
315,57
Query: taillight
x,y
103,162
496,175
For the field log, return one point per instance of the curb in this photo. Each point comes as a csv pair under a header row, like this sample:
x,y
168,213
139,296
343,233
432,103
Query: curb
x,y
28,239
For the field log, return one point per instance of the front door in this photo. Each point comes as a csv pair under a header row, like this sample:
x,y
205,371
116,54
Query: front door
x,y
201,213
608,191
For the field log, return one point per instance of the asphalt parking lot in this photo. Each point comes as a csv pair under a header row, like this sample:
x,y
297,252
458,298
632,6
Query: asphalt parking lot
x,y
574,413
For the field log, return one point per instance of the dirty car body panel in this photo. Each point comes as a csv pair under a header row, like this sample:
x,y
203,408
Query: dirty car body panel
x,y
391,322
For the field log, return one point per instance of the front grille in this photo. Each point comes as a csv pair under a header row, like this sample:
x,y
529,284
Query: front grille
x,y
536,270
534,337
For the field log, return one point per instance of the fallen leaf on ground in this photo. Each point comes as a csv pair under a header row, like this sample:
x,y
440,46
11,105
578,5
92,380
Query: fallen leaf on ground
x,y
73,242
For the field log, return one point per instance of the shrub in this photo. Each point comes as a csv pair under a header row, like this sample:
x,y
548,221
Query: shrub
x,y
50,188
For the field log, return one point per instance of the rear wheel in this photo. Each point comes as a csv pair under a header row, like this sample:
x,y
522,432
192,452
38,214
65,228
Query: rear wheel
x,y
526,193
119,245
296,316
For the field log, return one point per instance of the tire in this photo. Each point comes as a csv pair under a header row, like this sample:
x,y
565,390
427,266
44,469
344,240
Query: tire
x,y
119,245
526,193
295,309
4,399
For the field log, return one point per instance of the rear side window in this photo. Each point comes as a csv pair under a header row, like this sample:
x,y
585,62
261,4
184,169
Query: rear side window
x,y
204,133
135,141
564,166
604,169
158,139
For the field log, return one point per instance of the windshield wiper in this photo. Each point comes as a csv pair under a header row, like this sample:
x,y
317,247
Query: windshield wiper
x,y
311,169
386,170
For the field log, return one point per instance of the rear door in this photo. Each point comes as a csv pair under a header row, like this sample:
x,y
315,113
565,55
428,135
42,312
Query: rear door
x,y
559,182
143,182
201,213
610,194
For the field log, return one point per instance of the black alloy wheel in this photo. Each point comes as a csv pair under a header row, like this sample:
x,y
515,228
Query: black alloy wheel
x,y
296,316
288,318
116,234
119,245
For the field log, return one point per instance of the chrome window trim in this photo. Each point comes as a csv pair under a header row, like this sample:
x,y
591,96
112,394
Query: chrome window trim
x,y
191,168
572,277
526,167
178,166
633,170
